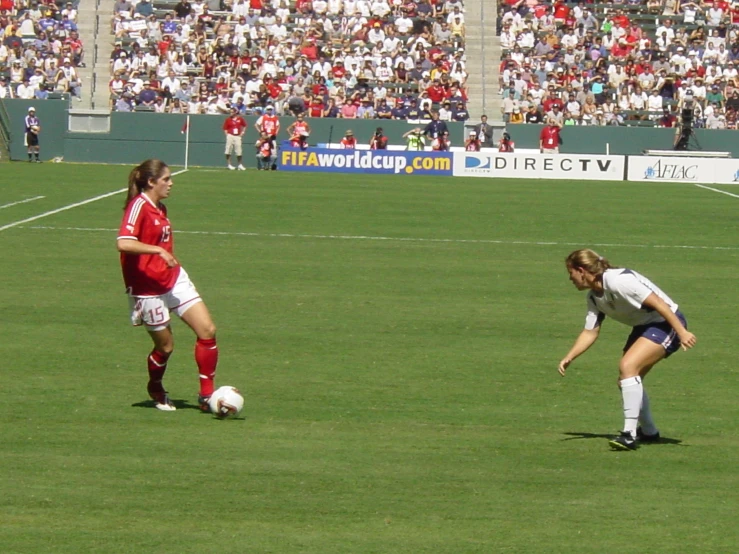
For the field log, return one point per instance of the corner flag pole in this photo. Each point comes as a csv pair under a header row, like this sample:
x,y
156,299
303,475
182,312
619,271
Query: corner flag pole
x,y
187,141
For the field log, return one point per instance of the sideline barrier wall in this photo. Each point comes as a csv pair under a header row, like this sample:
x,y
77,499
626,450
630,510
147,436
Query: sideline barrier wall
x,y
364,161
668,169
540,166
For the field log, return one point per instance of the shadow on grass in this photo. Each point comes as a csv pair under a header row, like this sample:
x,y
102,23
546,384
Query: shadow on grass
x,y
663,440
179,404
184,405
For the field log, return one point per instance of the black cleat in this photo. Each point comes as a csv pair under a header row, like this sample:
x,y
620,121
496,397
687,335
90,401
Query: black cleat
x,y
623,442
642,437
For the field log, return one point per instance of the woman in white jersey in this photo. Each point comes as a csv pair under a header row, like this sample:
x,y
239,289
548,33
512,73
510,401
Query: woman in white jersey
x,y
659,329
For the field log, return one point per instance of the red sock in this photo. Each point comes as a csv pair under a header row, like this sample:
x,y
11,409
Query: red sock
x,y
157,362
206,356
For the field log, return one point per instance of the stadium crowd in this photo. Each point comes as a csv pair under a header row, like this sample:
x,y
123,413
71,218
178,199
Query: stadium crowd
x,y
628,63
366,59
40,50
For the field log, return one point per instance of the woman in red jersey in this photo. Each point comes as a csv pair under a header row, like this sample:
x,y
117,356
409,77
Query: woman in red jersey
x,y
157,284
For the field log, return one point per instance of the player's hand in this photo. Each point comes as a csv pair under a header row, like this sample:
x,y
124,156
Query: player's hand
x,y
169,258
563,365
688,340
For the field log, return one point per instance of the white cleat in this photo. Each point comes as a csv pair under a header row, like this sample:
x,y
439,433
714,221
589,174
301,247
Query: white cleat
x,y
241,167
231,167
165,407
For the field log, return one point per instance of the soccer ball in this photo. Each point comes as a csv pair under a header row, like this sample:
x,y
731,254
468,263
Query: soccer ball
x,y
226,402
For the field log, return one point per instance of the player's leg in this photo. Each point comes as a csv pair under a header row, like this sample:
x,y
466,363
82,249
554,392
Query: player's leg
x,y
36,150
206,348
184,300
647,430
640,356
157,366
154,314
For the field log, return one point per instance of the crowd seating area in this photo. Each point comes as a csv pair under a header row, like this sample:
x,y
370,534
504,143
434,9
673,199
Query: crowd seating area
x,y
622,63
378,59
40,49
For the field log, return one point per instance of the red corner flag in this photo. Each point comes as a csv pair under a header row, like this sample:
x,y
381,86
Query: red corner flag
x,y
184,126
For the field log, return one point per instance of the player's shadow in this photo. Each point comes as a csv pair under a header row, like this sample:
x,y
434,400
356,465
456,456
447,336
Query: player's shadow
x,y
663,440
179,404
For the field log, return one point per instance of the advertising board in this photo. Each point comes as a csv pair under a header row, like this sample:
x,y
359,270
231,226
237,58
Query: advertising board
x,y
365,161
539,166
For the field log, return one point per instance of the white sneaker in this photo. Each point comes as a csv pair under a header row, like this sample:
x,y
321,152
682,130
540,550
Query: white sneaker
x,y
165,407
231,167
241,167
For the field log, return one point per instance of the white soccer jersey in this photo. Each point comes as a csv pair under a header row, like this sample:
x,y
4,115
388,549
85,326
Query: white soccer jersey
x,y
624,291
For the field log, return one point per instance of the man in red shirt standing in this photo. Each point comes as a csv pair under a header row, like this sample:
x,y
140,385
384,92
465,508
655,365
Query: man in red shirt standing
x,y
549,138
234,127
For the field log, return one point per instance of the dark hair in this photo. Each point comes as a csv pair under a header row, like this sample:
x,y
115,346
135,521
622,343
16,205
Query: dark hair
x,y
138,179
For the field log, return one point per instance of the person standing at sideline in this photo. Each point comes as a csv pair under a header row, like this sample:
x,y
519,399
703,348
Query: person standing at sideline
x,y
549,138
234,127
157,284
33,128
658,330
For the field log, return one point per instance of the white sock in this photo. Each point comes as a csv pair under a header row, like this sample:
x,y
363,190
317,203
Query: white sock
x,y
632,393
645,415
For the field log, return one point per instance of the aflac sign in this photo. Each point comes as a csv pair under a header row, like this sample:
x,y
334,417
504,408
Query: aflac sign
x,y
671,169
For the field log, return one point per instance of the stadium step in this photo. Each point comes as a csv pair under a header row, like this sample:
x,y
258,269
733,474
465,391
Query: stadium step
x,y
483,59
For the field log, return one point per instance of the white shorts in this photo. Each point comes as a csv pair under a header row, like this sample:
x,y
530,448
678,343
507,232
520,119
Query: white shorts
x,y
153,311
233,142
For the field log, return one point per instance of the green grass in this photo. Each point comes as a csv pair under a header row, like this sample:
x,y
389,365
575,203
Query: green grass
x,y
399,368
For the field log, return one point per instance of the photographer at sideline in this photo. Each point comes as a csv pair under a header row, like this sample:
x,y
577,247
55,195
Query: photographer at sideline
x,y
441,143
415,140
505,144
266,152
378,141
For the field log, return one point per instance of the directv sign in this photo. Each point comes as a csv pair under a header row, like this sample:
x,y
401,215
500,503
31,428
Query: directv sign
x,y
539,166
365,161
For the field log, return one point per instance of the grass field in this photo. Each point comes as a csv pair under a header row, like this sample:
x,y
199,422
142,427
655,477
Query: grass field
x,y
396,339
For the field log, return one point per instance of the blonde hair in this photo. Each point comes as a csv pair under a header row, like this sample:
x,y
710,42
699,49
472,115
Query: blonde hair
x,y
589,260
138,179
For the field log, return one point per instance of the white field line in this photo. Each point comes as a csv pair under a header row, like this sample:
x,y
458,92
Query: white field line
x,y
717,190
403,239
21,202
70,206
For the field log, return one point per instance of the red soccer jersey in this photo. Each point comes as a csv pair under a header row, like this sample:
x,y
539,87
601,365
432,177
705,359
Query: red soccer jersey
x,y
349,143
549,137
147,274
269,124
234,125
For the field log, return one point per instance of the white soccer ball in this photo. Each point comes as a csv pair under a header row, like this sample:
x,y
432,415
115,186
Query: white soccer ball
x,y
226,402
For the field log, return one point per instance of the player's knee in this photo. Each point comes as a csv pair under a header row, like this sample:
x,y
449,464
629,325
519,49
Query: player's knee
x,y
208,331
627,368
166,348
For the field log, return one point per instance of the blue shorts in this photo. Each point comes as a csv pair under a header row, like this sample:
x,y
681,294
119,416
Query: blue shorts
x,y
659,333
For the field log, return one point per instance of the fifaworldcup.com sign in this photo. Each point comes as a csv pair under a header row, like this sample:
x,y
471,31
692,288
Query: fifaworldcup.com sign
x,y
540,166
365,161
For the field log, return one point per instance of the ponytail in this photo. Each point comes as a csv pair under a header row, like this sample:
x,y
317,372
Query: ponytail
x,y
138,179
588,260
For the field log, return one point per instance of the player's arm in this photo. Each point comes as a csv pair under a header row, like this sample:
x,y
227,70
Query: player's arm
x,y
136,247
654,302
585,340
